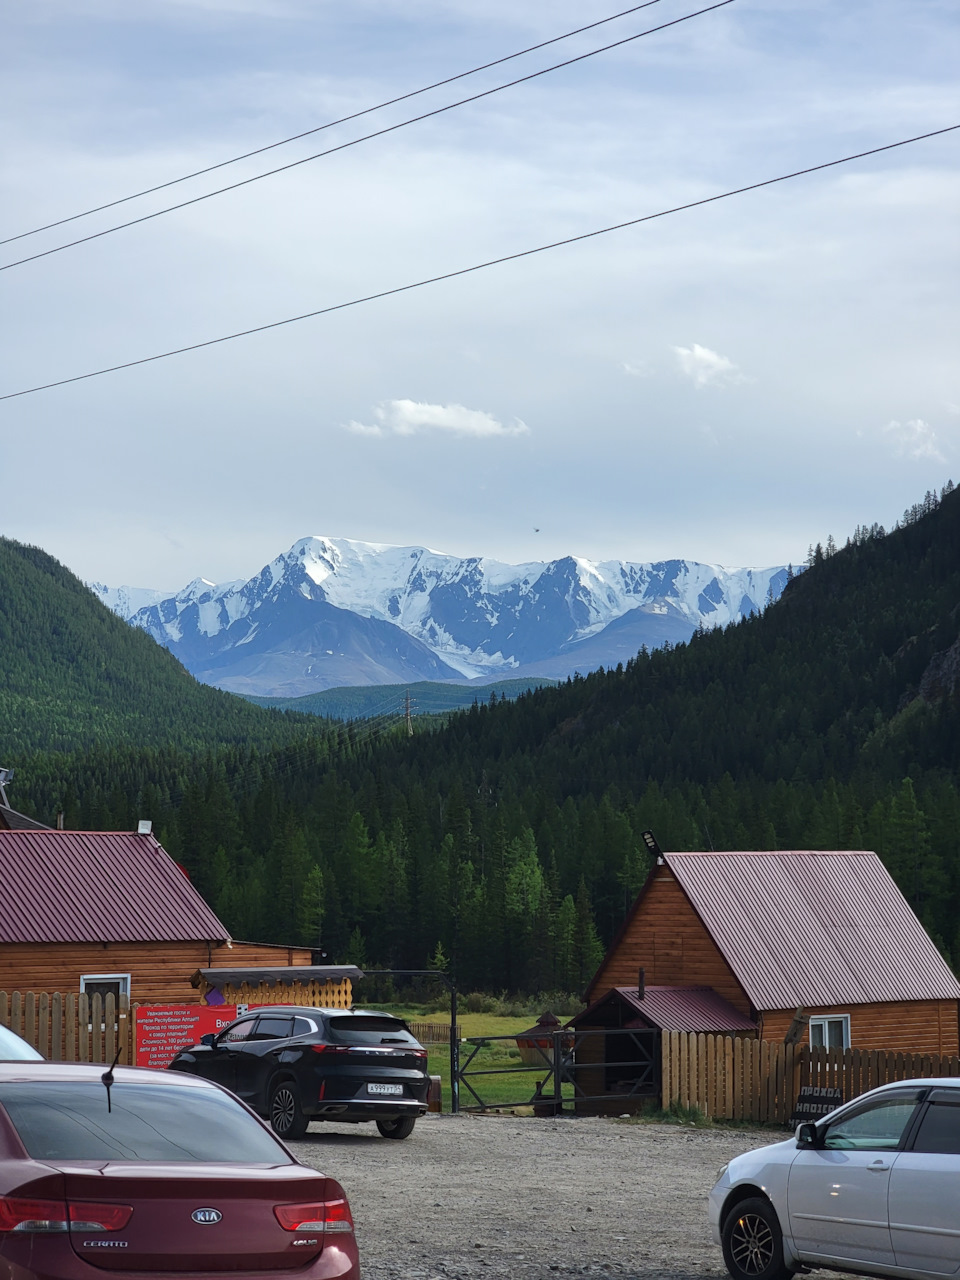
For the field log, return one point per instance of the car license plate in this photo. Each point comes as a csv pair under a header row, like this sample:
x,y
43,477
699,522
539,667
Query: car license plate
x,y
391,1090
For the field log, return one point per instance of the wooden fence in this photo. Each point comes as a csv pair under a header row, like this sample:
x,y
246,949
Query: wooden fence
x,y
82,1028
731,1078
70,1028
431,1032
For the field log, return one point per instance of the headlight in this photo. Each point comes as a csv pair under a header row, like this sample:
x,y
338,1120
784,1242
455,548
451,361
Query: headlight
x,y
721,1171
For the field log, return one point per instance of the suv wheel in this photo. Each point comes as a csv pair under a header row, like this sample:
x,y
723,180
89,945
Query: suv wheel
x,y
286,1114
401,1128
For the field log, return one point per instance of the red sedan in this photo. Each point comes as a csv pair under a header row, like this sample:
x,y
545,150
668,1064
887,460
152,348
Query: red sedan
x,y
135,1171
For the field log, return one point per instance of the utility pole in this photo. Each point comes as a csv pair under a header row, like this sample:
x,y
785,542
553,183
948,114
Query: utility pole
x,y
408,716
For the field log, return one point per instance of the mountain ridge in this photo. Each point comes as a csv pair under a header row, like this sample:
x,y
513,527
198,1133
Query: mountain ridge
x,y
336,611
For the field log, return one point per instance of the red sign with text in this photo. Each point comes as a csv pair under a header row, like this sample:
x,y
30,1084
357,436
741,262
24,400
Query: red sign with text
x,y
163,1029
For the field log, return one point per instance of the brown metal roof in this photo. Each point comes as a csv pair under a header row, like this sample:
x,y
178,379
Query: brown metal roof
x,y
103,886
677,1009
813,928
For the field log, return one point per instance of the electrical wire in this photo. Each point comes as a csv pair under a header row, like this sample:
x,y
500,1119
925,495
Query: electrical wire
x,y
479,266
356,115
354,142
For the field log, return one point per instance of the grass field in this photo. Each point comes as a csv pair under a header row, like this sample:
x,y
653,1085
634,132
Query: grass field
x,y
507,1086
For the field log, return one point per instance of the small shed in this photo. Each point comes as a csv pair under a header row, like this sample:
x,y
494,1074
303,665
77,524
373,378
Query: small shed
x,y
826,933
110,912
618,1047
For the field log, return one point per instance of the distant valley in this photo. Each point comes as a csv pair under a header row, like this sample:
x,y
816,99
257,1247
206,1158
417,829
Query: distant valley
x,y
332,612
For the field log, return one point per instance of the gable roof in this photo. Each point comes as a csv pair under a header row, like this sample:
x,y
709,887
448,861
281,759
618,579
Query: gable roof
x,y
674,1009
98,886
10,820
813,928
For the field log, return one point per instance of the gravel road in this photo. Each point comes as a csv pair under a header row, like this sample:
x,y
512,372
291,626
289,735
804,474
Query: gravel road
x,y
496,1196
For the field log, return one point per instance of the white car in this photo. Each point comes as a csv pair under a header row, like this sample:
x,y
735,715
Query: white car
x,y
14,1049
872,1188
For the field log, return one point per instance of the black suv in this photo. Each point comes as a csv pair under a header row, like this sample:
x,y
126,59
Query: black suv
x,y
293,1065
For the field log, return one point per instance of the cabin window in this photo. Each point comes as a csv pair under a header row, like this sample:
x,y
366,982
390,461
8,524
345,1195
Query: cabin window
x,y
106,984
103,985
830,1032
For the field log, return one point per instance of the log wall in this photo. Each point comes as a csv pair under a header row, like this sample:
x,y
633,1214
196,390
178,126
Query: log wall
x,y
160,972
666,938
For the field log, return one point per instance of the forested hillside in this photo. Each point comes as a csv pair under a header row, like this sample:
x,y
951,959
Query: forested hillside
x,y
75,676
510,839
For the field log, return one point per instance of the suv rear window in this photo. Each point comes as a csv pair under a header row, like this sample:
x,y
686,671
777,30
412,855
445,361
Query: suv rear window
x,y
69,1120
370,1029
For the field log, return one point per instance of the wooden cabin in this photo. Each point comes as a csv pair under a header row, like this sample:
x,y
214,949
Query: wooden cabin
x,y
820,947
111,912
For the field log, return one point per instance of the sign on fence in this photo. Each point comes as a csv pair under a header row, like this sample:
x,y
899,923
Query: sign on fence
x,y
163,1029
813,1103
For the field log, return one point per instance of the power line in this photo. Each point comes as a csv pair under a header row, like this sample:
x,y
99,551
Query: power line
x,y
480,266
356,115
378,133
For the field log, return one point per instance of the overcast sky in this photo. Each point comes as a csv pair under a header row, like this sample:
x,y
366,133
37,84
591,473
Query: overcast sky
x,y
727,384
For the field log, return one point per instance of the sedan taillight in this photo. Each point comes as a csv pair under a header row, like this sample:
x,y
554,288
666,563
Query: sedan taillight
x,y
39,1216
99,1217
32,1215
322,1215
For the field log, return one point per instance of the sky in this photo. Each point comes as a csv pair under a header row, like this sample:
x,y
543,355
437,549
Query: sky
x,y
728,384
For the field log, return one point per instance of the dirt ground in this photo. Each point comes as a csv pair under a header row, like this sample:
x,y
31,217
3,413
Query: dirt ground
x,y
497,1196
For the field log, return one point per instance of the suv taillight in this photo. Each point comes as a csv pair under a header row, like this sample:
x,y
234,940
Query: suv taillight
x,y
330,1048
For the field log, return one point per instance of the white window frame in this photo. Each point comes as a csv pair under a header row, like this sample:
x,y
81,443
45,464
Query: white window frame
x,y
122,978
822,1020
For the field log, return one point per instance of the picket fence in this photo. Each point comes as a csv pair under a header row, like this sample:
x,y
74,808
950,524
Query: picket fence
x,y
71,1028
732,1078
82,1028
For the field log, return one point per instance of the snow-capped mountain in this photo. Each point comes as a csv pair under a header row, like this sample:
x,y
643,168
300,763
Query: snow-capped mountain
x,y
331,611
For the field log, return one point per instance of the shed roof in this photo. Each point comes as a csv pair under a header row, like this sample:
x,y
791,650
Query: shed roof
x,y
676,1009
809,928
98,886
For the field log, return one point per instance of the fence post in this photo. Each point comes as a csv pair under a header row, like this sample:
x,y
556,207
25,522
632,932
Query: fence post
x,y
110,1027
56,1027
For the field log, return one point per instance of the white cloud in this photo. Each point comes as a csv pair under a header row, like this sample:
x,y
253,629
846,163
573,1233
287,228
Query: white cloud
x,y
409,418
636,368
706,368
914,439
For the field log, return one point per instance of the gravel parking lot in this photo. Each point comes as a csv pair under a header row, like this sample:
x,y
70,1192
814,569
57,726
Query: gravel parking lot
x,y
492,1196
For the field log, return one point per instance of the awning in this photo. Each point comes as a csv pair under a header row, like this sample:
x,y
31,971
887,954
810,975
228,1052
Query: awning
x,y
287,976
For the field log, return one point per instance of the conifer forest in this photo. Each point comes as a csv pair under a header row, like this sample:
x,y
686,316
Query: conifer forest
x,y
504,841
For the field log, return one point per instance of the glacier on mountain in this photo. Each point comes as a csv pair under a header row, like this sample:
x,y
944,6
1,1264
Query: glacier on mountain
x,y
334,610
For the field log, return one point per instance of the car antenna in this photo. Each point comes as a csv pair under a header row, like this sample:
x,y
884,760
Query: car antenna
x,y
107,1077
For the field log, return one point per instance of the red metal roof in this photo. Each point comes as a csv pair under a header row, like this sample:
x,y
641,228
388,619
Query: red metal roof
x,y
677,1009
813,928
97,886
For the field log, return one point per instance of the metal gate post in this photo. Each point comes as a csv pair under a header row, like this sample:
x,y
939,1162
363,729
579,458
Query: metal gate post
x,y
558,1072
454,1052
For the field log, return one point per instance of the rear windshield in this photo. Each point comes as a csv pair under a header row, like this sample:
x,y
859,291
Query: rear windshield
x,y
69,1120
370,1028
